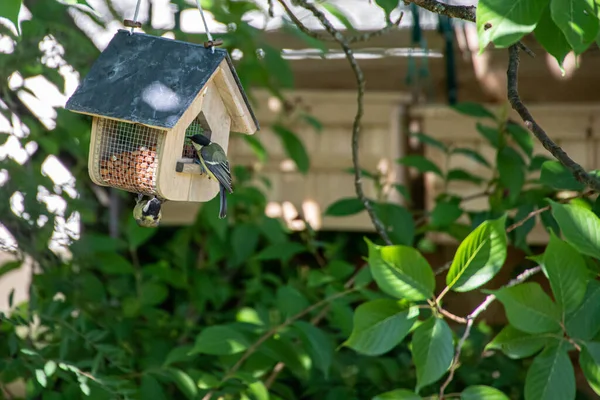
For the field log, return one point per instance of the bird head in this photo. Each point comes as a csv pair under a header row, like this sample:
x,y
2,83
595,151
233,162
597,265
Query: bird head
x,y
200,139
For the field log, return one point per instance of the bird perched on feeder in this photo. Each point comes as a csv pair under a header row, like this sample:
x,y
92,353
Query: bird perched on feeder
x,y
214,161
147,212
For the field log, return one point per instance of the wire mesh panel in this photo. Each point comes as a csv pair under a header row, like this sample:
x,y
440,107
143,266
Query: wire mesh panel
x,y
126,155
194,128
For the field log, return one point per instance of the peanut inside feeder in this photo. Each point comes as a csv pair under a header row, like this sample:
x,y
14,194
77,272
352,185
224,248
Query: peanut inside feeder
x,y
127,156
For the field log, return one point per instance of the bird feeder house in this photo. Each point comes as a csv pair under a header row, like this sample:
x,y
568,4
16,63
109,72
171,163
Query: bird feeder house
x,y
147,95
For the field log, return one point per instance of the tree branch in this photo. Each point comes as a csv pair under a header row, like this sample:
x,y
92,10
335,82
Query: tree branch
x,y
461,12
471,319
360,80
515,101
352,39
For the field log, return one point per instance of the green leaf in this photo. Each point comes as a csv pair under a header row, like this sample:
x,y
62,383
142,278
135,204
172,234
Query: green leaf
x,y
432,351
136,235
420,163
430,141
584,323
529,309
479,257
556,176
150,388
511,169
580,227
318,345
312,121
522,136
481,392
472,154
290,301
220,340
566,272
380,325
445,213
257,147
183,381
49,368
179,354
401,272
113,263
339,14
473,110
589,361
388,5
40,377
153,293
505,22
492,135
293,147
578,20
551,37
537,162
10,9
399,219
281,251
398,394
258,390
279,68
345,207
551,375
244,240
516,344
459,174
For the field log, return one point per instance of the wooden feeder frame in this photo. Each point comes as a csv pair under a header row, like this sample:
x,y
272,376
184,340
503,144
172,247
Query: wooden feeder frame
x,y
144,157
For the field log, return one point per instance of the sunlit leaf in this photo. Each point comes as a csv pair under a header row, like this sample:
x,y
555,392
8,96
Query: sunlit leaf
x,y
578,20
515,343
379,325
551,375
505,22
529,308
580,227
479,257
481,392
567,273
220,340
432,351
401,272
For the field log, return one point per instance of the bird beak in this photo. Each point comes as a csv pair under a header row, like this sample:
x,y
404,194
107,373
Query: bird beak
x,y
195,138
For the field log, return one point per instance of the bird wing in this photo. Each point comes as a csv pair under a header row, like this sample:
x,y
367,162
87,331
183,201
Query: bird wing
x,y
216,161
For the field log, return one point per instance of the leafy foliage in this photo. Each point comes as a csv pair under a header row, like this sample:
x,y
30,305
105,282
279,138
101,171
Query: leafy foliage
x,y
246,308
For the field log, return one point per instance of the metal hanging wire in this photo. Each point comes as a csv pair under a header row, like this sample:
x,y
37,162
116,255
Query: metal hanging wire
x,y
135,14
210,38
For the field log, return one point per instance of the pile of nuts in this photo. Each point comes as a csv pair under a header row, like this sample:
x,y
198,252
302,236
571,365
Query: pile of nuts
x,y
132,171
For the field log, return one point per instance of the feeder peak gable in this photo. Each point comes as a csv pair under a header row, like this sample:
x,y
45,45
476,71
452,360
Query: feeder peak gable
x,y
153,81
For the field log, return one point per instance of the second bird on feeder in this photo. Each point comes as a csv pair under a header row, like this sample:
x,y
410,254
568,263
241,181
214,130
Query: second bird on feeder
x,y
147,212
213,160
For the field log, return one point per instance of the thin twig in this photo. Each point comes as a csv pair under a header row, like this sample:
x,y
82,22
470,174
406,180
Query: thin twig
x,y
252,349
471,319
515,101
352,39
360,80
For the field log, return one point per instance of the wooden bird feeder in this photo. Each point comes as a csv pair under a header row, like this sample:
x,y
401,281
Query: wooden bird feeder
x,y
147,95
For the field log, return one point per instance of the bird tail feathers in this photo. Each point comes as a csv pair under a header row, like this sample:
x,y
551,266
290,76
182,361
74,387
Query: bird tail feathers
x,y
223,204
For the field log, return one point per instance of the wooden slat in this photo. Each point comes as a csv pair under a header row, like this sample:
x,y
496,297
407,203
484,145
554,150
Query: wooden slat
x,y
201,188
93,160
242,121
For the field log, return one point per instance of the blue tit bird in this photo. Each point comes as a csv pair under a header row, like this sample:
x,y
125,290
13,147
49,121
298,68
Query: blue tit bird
x,y
147,212
213,160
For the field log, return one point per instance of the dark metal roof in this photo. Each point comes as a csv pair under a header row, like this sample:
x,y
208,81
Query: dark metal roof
x,y
148,79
